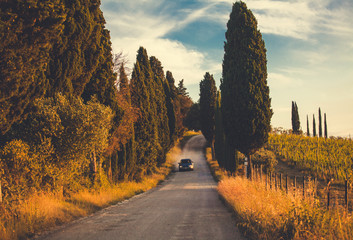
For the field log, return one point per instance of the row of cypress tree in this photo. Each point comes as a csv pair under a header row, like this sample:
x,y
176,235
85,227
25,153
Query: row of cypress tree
x,y
237,118
59,91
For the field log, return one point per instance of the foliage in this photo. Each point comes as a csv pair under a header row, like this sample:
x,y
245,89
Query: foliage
x,y
192,119
161,108
246,105
325,126
28,33
320,123
266,158
314,126
307,126
208,97
328,158
50,149
49,47
295,118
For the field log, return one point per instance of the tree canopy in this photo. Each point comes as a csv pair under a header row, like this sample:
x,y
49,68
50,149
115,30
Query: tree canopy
x,y
246,105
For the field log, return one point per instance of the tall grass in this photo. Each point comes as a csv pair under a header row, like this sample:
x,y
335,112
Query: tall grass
x,y
44,210
263,213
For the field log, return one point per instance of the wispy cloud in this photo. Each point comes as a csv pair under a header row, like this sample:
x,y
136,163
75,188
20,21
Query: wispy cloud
x,y
149,26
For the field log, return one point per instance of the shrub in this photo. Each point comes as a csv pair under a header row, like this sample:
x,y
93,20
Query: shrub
x,y
266,158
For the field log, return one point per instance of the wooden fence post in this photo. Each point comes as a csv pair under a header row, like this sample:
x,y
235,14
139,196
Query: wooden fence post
x,y
295,184
303,186
0,193
270,180
280,181
261,172
287,184
346,193
328,193
276,181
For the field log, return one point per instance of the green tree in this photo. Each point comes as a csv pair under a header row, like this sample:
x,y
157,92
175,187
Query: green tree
x,y
208,98
320,123
307,126
314,126
246,105
161,108
325,123
192,119
295,119
169,89
146,128
28,32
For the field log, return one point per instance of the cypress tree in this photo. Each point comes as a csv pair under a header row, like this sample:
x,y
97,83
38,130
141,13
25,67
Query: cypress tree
x,y
208,97
307,126
295,119
246,105
146,132
320,124
161,109
169,100
325,123
28,32
314,126
192,119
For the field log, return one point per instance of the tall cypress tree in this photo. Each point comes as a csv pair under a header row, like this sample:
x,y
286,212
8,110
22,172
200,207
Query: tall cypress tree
x,y
320,123
208,97
146,132
307,126
314,126
295,119
28,32
246,105
169,100
325,123
161,109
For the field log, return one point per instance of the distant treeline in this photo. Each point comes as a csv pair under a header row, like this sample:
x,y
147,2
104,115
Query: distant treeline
x,y
66,120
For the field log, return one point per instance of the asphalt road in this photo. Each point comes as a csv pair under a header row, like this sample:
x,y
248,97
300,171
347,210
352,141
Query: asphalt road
x,y
185,206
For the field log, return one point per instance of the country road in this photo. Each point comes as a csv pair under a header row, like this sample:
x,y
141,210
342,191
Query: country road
x,y
185,206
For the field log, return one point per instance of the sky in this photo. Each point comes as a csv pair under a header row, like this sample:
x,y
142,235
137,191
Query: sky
x,y
309,49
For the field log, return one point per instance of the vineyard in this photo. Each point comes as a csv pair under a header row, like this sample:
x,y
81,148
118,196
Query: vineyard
x,y
323,157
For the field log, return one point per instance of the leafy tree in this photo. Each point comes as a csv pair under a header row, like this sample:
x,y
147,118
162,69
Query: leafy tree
x,y
28,33
192,119
325,123
122,147
62,142
320,123
182,104
314,126
307,126
246,105
208,98
169,90
146,128
295,119
161,108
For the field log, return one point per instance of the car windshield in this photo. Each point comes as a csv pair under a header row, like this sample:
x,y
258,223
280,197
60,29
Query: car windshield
x,y
185,161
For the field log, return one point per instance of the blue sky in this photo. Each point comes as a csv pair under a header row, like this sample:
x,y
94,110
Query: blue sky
x,y
309,49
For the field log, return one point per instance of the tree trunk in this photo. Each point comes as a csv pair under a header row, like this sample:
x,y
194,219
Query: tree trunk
x,y
249,167
93,166
213,150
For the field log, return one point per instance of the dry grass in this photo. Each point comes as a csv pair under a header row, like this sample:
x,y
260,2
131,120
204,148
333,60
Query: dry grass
x,y
45,210
264,213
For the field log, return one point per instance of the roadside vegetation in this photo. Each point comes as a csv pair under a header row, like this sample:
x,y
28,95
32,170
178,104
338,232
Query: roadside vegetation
x,y
44,210
263,213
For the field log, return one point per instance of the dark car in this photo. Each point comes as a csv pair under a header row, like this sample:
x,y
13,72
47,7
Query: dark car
x,y
186,164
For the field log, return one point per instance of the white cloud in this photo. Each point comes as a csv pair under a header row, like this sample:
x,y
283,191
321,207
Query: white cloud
x,y
147,29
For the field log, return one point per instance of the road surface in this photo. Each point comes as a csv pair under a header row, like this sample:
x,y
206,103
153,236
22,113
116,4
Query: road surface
x,y
185,206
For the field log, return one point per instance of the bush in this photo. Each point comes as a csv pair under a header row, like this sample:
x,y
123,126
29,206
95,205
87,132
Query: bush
x,y
266,158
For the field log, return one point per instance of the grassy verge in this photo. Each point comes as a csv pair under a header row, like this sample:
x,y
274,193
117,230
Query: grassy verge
x,y
45,210
270,214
